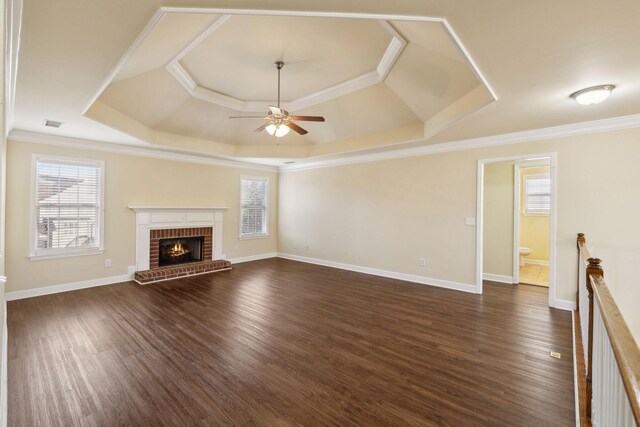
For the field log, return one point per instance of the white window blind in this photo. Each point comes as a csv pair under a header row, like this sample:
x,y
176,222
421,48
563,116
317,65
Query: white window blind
x,y
253,206
537,194
68,211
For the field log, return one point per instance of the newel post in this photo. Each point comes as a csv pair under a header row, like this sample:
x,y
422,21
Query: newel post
x,y
580,241
594,268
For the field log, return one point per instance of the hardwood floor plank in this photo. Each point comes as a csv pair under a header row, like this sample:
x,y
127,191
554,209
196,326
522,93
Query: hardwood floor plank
x,y
276,342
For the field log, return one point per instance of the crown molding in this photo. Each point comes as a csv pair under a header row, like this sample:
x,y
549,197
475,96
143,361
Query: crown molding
x,y
386,63
153,23
13,12
562,131
155,152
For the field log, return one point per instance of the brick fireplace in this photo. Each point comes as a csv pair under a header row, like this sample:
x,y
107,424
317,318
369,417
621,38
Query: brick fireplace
x,y
175,242
179,233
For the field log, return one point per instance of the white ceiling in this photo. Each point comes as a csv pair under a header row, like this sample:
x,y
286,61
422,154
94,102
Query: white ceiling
x,y
112,56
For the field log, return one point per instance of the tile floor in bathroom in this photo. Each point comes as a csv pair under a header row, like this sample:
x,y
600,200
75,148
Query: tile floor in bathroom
x,y
535,275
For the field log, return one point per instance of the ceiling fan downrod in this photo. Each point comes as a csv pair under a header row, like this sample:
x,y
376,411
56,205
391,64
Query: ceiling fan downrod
x,y
278,65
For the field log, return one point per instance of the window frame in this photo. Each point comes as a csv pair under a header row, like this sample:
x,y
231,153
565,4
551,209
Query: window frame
x,y
265,233
535,212
50,253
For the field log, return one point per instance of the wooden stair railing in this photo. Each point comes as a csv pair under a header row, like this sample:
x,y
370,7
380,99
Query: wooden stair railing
x,y
606,405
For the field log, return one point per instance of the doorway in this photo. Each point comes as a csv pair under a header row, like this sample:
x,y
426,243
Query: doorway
x,y
501,199
531,219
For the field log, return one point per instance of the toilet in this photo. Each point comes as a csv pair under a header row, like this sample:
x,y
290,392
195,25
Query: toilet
x,y
524,252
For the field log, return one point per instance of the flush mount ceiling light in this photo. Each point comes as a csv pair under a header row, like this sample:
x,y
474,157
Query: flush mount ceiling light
x,y
592,95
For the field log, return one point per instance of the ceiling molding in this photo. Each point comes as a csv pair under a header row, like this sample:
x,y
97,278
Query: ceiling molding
x,y
133,150
574,129
13,31
153,22
177,71
467,56
386,63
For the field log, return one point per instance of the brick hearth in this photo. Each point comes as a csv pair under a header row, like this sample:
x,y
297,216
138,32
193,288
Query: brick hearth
x,y
173,271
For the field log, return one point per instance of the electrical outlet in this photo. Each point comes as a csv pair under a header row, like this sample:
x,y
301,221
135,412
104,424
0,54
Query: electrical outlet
x,y
295,245
107,263
306,248
423,262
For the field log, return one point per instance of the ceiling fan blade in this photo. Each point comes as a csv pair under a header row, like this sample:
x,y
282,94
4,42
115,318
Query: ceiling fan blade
x,y
247,117
275,110
261,128
308,118
297,128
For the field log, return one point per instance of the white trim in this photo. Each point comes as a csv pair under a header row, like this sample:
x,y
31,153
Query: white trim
x,y
498,278
552,218
175,209
536,261
253,258
479,226
13,20
66,254
153,22
34,252
516,222
155,152
576,397
182,76
383,273
562,304
582,128
48,290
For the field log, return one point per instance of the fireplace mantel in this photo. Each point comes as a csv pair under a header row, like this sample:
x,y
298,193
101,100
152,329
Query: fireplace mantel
x,y
160,217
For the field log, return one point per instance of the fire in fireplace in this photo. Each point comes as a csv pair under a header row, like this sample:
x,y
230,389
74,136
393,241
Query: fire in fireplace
x,y
180,250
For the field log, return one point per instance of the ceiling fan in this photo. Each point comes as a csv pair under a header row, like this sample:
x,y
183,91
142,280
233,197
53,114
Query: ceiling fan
x,y
279,121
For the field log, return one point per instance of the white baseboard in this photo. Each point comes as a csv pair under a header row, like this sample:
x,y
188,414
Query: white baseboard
x,y
29,293
497,278
253,258
536,261
47,290
563,304
384,273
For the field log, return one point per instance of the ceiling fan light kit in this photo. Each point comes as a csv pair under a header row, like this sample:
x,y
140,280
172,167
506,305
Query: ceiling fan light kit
x,y
279,121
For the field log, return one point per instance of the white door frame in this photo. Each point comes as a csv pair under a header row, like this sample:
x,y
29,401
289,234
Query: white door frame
x,y
517,173
552,217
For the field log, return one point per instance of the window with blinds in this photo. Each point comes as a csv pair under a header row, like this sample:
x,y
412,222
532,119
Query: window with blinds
x,y
68,206
253,206
537,194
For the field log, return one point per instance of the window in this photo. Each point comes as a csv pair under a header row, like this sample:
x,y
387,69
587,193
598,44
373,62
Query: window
x,y
68,207
537,194
253,206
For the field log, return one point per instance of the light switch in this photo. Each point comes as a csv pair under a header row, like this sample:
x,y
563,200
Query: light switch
x,y
470,220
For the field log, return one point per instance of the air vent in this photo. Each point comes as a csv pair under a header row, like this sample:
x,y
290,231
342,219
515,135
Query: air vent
x,y
52,123
288,163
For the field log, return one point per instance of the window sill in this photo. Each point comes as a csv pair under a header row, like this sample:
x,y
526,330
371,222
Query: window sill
x,y
66,254
536,214
254,236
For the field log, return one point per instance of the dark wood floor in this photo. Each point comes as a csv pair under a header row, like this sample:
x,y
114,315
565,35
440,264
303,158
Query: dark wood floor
x,y
277,342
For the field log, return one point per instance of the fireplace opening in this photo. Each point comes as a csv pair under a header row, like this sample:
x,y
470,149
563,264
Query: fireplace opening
x,y
180,250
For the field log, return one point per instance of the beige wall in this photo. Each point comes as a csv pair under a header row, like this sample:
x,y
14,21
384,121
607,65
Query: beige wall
x,y
498,219
534,229
388,214
129,181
